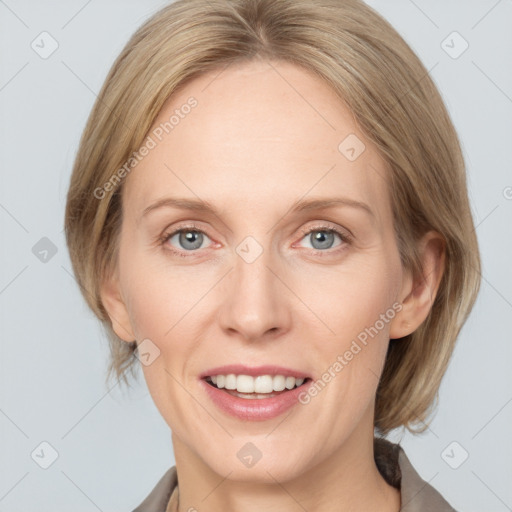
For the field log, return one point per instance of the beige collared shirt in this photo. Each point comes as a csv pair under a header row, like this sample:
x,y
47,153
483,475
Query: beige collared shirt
x,y
416,494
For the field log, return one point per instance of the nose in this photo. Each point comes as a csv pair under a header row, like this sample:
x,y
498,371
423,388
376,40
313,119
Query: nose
x,y
255,303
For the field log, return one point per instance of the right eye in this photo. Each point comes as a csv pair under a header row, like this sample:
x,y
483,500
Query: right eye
x,y
185,239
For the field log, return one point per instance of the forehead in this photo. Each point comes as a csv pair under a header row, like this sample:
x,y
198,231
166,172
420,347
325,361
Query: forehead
x,y
258,131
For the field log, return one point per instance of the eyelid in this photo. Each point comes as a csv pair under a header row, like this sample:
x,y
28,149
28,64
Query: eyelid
x,y
343,233
346,237
169,233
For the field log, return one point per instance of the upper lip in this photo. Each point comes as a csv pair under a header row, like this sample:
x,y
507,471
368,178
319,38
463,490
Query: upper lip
x,y
254,371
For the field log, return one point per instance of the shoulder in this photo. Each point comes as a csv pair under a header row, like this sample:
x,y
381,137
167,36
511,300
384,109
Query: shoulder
x,y
157,499
416,494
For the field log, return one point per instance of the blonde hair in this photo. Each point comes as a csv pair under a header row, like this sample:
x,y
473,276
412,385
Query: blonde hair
x,y
396,104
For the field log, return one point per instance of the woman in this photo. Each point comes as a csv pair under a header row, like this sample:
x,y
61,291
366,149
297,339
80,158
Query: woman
x,y
269,209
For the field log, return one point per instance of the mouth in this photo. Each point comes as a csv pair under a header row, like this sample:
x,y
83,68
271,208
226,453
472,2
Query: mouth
x,y
255,387
254,393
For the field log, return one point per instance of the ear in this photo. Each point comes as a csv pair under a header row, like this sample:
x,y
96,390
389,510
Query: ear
x,y
116,308
419,292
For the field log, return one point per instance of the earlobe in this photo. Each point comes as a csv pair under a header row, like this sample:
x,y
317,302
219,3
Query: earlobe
x,y
419,292
116,308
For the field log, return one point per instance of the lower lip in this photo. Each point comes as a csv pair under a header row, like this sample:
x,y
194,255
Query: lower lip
x,y
256,409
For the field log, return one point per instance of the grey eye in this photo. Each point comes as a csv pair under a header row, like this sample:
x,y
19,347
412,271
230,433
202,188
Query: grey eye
x,y
321,239
189,240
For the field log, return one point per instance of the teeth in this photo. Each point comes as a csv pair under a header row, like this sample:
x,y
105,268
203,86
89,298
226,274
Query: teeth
x,y
259,384
230,382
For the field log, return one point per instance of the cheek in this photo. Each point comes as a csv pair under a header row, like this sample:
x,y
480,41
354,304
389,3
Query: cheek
x,y
164,305
350,301
356,304
161,308
158,297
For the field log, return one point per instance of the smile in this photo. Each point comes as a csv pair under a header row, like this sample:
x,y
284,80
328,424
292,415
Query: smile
x,y
268,393
260,386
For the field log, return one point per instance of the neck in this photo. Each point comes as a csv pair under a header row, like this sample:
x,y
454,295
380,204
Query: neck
x,y
347,480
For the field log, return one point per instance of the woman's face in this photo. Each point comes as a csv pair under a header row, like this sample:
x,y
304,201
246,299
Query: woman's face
x,y
268,276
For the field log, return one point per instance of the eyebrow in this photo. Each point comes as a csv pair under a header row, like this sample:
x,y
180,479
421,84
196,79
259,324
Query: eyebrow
x,y
203,206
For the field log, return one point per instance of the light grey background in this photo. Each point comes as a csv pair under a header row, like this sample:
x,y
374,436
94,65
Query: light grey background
x,y
113,446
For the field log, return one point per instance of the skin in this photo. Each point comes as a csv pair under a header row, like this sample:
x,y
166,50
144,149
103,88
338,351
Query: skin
x,y
264,135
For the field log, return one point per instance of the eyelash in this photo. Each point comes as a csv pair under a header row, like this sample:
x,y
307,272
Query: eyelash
x,y
344,237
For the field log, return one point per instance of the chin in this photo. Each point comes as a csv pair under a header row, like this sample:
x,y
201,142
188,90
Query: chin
x,y
242,461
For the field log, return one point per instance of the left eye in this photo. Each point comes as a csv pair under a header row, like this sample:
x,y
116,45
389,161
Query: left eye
x,y
322,238
188,239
